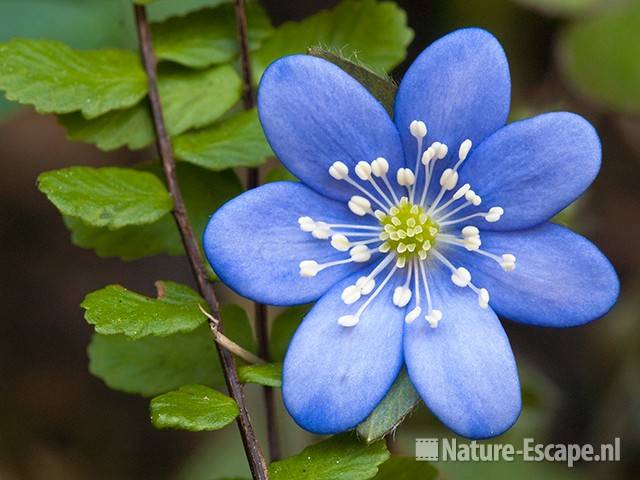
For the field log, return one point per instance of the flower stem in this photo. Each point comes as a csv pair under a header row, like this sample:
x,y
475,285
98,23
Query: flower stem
x,y
255,458
253,180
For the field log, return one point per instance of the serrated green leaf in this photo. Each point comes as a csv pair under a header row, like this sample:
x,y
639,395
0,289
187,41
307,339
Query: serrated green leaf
x,y
380,87
340,457
375,32
203,193
114,310
153,365
235,142
283,328
206,37
57,79
189,100
268,374
406,468
195,408
399,402
599,57
109,197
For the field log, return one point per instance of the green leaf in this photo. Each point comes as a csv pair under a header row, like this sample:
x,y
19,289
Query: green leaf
x,y
375,32
203,193
193,407
114,309
279,174
406,468
236,142
206,37
283,328
106,197
268,374
399,402
384,89
599,57
189,100
57,79
153,365
162,9
340,457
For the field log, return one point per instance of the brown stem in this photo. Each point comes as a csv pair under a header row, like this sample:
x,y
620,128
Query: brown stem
x,y
253,180
255,458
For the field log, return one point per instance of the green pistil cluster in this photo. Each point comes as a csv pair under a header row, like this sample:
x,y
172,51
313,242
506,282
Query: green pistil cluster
x,y
408,231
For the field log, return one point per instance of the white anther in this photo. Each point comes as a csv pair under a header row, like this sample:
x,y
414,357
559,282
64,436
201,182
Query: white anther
x,y
309,268
405,177
351,294
348,320
418,129
321,231
360,253
380,167
433,318
401,296
508,262
470,231
494,214
472,243
412,315
476,200
340,242
461,277
428,155
464,149
306,224
461,191
359,205
366,285
339,171
483,298
448,179
363,170
442,151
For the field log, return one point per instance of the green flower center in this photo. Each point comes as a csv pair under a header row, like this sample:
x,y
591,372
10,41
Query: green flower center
x,y
408,231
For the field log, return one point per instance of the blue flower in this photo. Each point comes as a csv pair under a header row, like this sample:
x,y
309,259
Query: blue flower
x,y
413,234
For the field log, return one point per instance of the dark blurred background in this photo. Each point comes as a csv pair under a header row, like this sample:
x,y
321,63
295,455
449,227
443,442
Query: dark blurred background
x,y
57,421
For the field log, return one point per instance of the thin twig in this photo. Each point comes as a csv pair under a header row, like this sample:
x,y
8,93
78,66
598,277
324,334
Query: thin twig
x,y
229,344
255,458
253,180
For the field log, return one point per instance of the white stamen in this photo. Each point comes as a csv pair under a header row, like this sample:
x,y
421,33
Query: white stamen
x,y
360,253
380,167
351,294
442,151
461,277
483,298
339,170
464,149
340,242
363,170
412,315
306,224
401,296
309,268
366,285
359,205
433,318
448,179
508,262
405,177
470,231
321,231
348,320
428,155
494,214
418,129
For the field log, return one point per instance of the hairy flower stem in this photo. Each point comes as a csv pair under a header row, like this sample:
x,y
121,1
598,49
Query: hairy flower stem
x,y
253,180
254,454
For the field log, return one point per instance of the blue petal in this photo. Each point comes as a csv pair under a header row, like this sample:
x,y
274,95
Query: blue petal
x,y
561,279
464,369
255,245
314,114
460,87
533,168
335,376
